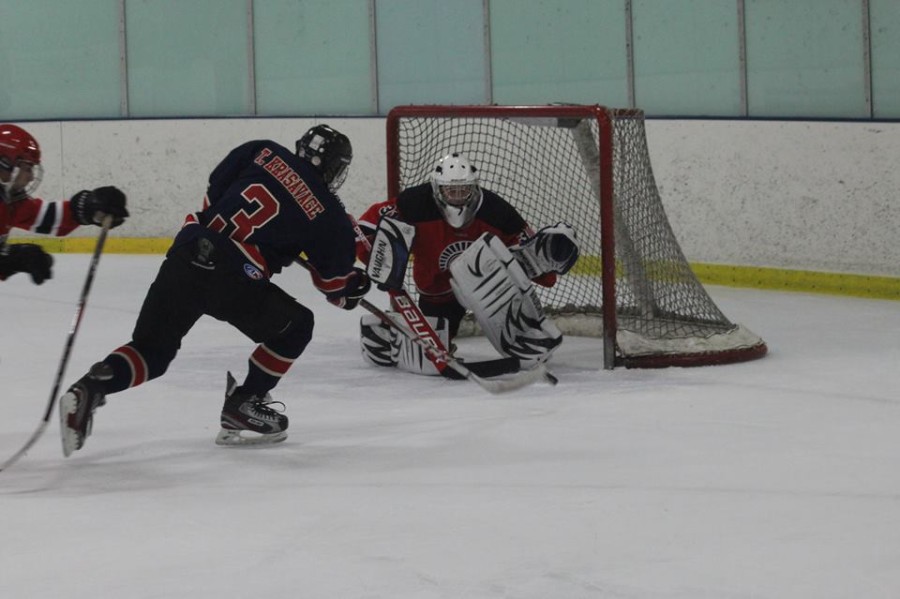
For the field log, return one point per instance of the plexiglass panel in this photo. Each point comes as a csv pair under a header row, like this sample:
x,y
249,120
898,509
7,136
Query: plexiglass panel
x,y
687,57
187,58
430,52
59,59
546,51
805,58
885,17
313,57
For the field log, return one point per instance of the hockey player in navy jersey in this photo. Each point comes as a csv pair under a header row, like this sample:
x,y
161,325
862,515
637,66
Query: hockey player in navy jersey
x,y
265,205
20,175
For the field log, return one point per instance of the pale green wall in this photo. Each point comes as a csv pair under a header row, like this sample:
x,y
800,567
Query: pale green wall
x,y
696,58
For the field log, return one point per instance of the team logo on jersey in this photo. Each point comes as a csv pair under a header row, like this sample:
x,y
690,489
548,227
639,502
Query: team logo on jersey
x,y
450,253
388,210
253,272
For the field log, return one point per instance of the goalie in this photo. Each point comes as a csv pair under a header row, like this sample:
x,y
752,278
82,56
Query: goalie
x,y
473,253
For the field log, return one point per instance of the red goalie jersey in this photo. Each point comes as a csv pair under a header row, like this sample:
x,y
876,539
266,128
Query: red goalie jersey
x,y
437,243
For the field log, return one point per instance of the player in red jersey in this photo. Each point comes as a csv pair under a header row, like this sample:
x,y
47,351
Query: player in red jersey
x,y
446,216
20,175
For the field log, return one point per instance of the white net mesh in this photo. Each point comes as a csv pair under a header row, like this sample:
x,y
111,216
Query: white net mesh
x,y
550,168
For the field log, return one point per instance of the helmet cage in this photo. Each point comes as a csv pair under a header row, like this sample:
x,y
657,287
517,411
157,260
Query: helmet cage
x,y
455,188
457,194
20,158
336,176
24,180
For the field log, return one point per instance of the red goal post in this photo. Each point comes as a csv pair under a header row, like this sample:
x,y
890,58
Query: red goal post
x,y
587,165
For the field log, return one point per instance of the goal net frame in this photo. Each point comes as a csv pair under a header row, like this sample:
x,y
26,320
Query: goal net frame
x,y
642,299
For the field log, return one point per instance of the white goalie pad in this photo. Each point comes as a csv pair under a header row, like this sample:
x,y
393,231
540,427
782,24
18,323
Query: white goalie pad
x,y
376,340
382,345
411,355
491,283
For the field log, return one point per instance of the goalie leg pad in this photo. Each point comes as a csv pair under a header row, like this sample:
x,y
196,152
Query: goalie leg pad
x,y
491,283
376,340
411,355
382,345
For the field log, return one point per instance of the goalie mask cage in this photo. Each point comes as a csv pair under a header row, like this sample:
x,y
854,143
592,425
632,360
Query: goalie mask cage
x,y
588,166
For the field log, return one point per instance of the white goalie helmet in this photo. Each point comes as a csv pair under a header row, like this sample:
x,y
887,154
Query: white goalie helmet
x,y
455,188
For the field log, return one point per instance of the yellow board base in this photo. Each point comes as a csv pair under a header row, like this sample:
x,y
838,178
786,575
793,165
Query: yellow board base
x,y
869,286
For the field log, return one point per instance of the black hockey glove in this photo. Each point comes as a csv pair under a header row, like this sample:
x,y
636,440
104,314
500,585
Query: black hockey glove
x,y
25,257
90,206
358,285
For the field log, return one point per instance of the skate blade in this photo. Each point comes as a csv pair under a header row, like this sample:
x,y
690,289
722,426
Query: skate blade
x,y
67,407
233,438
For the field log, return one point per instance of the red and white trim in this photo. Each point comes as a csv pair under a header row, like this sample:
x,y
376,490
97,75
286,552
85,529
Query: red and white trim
x,y
270,362
136,364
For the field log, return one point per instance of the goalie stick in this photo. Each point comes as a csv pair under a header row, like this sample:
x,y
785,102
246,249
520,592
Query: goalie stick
x,y
446,363
67,349
417,322
435,351
419,325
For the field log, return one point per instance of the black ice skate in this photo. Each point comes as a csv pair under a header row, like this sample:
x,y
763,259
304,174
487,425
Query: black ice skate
x,y
248,420
77,405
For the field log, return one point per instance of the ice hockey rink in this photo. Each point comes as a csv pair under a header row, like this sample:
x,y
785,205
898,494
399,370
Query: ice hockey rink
x,y
778,478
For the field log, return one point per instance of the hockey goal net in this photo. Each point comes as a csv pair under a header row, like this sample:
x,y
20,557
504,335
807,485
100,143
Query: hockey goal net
x,y
588,166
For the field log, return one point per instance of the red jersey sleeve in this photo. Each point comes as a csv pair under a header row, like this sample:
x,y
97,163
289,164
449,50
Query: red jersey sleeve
x,y
43,217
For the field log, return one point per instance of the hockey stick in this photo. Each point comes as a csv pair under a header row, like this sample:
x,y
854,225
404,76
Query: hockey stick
x,y
416,321
442,359
67,350
419,325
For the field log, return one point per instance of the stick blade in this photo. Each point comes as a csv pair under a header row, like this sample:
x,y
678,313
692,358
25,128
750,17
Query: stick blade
x,y
523,378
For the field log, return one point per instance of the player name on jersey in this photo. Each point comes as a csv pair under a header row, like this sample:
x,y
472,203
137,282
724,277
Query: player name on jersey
x,y
291,181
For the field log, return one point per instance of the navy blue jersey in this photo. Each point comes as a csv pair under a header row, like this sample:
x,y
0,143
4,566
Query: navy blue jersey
x,y
265,206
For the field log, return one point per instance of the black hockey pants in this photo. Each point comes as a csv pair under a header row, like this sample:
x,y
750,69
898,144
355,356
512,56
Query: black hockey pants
x,y
186,289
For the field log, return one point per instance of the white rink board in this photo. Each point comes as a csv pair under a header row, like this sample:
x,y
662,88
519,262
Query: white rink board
x,y
786,194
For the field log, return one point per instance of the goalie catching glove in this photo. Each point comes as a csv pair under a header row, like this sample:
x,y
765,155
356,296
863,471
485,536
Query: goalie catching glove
x,y
552,249
492,284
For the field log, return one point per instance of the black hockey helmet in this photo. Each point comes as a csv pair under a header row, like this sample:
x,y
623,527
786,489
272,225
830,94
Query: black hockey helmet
x,y
329,151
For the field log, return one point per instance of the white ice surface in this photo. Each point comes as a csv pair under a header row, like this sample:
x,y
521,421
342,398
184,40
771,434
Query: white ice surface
x,y
774,478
